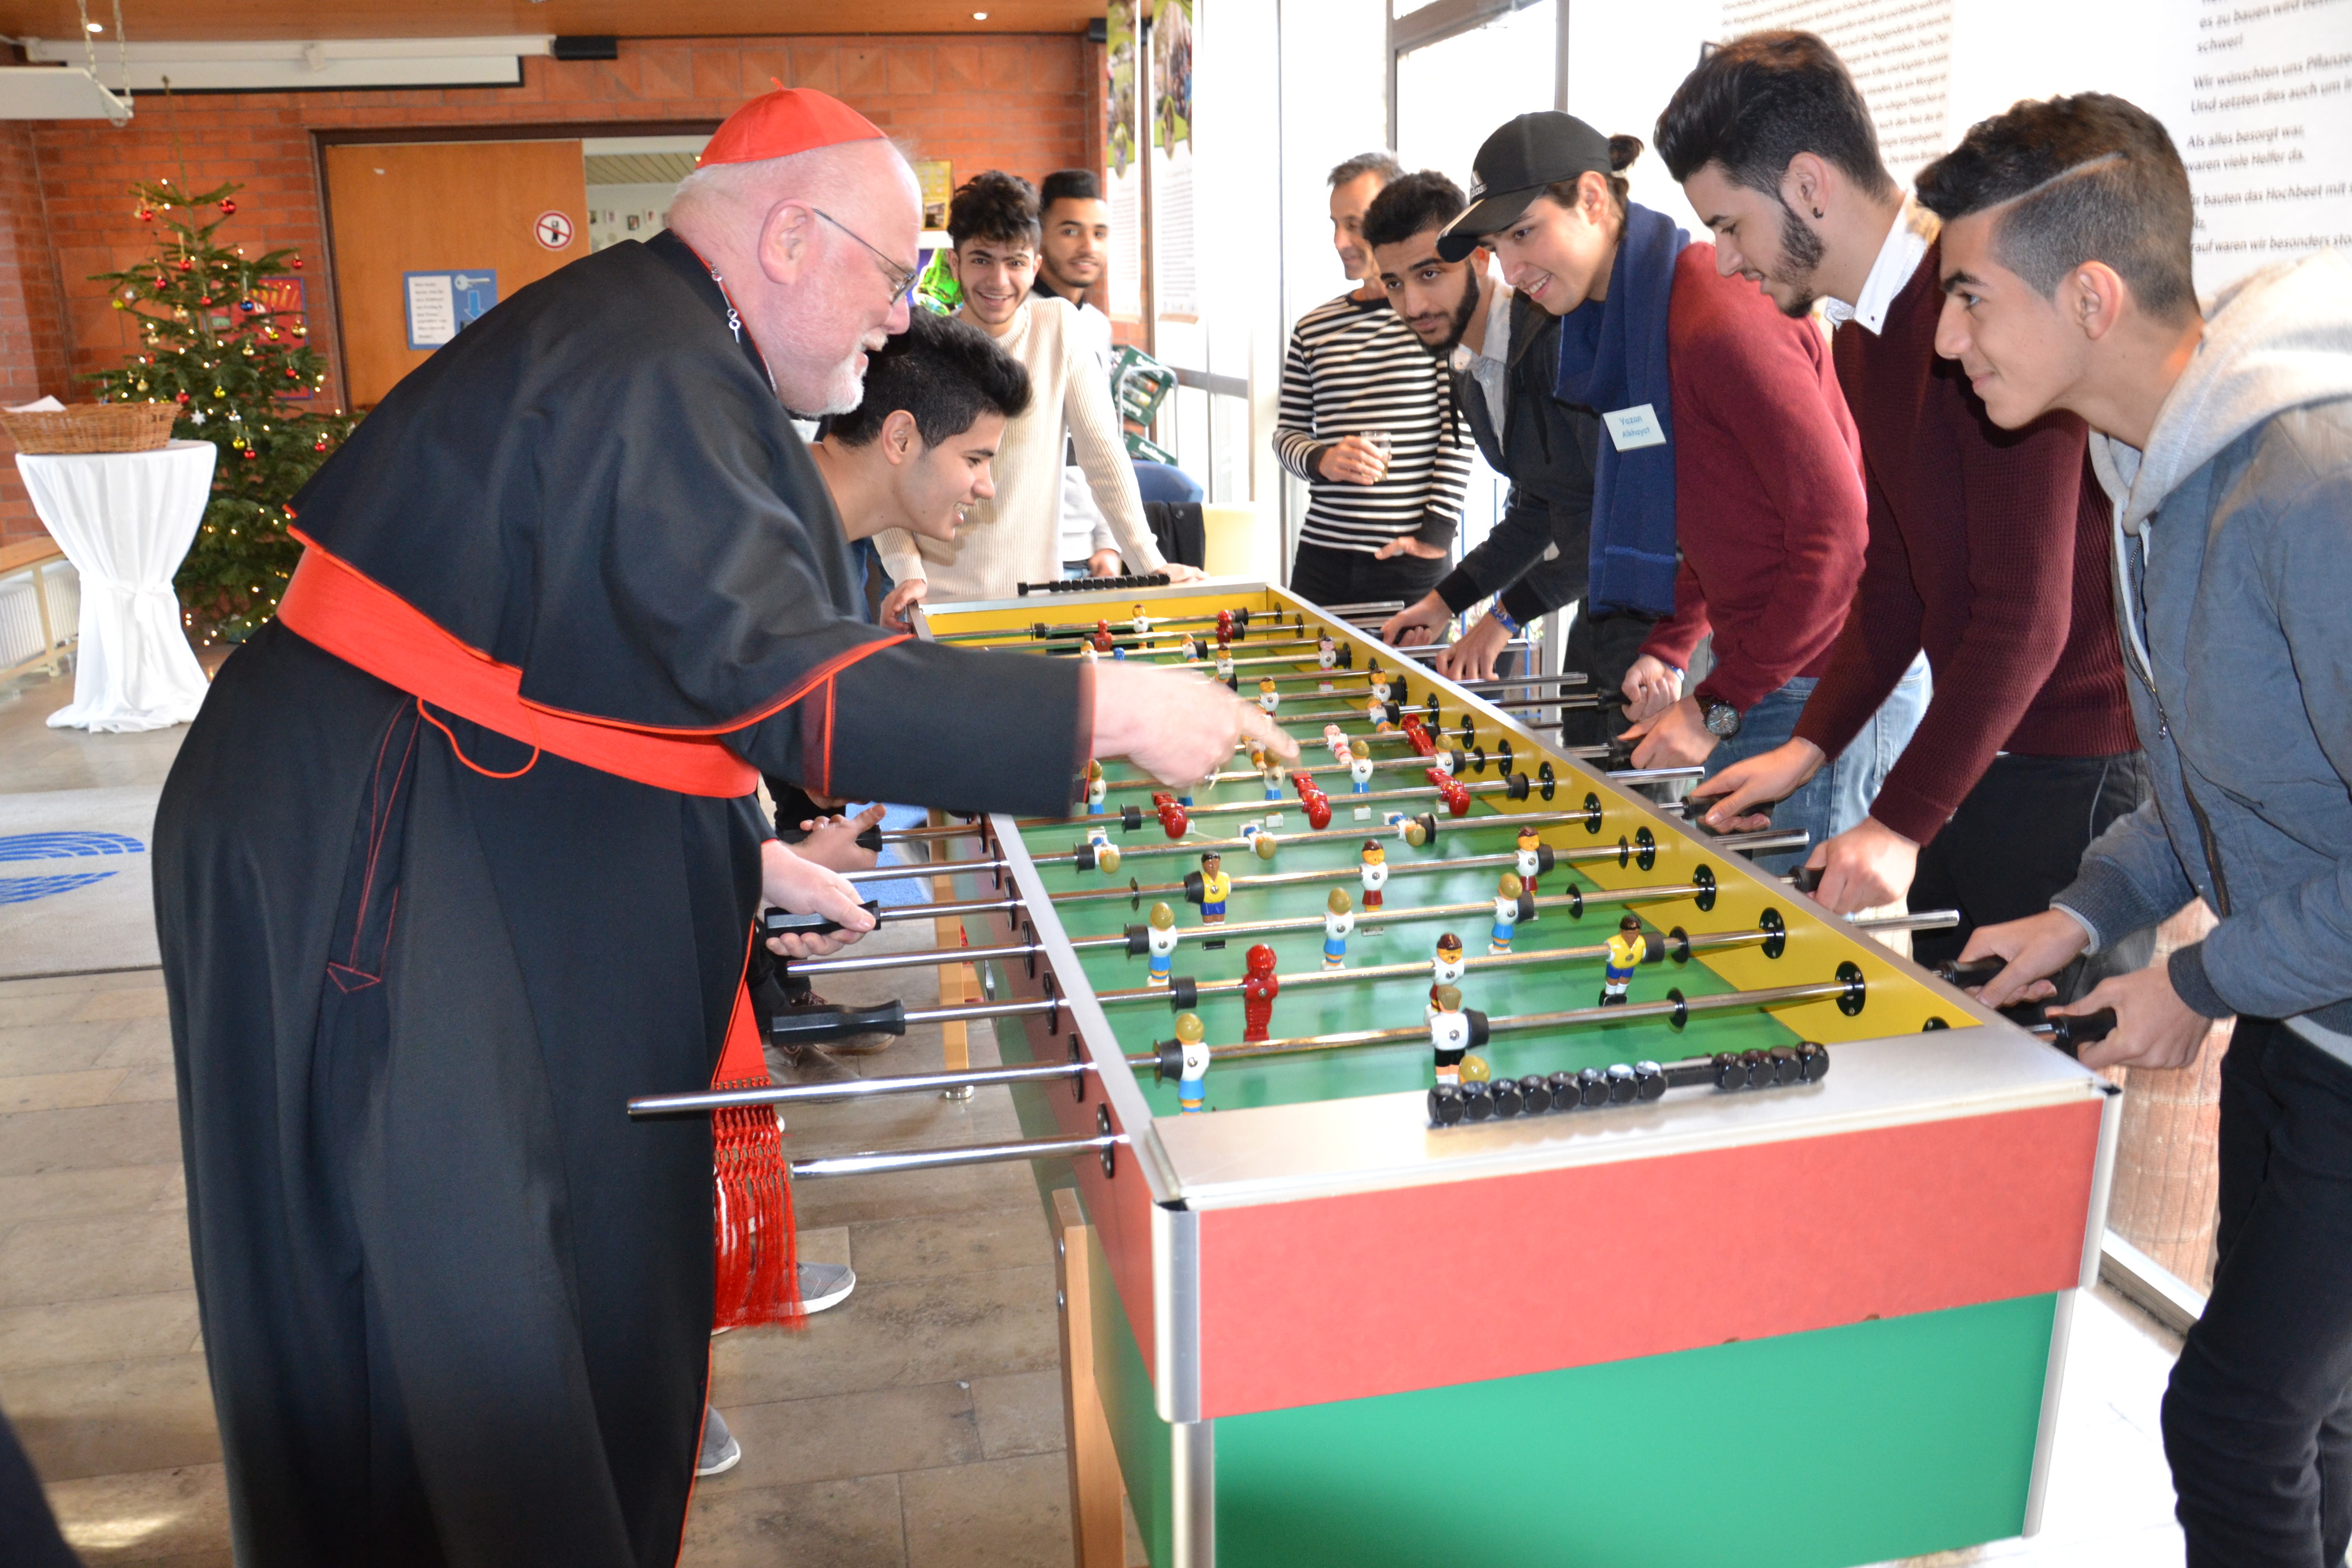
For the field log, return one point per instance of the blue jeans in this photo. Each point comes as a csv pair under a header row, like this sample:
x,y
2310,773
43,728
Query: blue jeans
x,y
1839,796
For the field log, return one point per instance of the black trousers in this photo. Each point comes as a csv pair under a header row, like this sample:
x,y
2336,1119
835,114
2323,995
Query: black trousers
x,y
1321,575
2258,1418
2016,841
1604,649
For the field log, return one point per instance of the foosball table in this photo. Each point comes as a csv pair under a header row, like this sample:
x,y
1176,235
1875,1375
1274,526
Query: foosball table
x,y
1487,1166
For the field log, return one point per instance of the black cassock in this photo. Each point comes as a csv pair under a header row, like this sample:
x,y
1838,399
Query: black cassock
x,y
456,1304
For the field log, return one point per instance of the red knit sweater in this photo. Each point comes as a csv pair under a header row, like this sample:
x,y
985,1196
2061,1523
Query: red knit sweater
x,y
1988,549
1768,508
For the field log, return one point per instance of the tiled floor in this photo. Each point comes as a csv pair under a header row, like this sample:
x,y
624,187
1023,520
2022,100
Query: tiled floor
x,y
920,1424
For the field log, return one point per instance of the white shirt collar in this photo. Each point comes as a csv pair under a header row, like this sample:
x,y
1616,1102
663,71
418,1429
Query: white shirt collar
x,y
1914,230
1487,363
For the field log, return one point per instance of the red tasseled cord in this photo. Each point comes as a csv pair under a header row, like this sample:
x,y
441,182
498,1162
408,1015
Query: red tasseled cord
x,y
757,1268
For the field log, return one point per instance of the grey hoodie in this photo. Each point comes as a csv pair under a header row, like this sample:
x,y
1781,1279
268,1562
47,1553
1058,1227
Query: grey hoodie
x,y
2233,563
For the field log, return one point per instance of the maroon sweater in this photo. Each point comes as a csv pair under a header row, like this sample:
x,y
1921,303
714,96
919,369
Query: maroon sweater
x,y
1768,508
1988,548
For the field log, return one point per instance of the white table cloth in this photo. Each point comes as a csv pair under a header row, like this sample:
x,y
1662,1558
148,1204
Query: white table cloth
x,y
125,520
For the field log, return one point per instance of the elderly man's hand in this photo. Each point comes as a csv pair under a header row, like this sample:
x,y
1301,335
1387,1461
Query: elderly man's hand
x,y
1175,726
804,887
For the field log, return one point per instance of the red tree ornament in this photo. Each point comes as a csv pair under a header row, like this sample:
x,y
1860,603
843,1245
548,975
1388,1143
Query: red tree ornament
x,y
226,206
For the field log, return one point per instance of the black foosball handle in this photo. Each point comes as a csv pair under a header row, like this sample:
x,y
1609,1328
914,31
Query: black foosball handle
x,y
1806,878
1974,972
1090,584
779,924
2069,1034
817,1026
870,838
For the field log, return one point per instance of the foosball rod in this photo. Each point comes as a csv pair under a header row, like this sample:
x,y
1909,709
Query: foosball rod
x,y
1429,823
1475,760
1255,647
1676,944
1702,887
1418,791
1574,902
1041,631
1850,989
1765,841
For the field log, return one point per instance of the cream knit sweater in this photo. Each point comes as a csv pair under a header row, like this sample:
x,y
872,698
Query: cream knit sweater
x,y
1016,537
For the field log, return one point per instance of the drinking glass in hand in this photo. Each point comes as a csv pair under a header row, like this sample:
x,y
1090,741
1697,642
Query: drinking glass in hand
x,y
1378,440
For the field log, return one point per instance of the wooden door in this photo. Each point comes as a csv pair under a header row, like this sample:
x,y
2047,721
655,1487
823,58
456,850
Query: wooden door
x,y
441,207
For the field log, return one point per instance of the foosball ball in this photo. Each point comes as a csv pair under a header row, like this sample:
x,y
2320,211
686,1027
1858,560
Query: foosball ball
x,y
1486,1167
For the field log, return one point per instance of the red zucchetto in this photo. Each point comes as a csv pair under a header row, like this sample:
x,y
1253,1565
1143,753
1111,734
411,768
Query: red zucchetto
x,y
790,120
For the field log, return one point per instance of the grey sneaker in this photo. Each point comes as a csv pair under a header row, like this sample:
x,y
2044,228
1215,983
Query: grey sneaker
x,y
720,1451
826,1285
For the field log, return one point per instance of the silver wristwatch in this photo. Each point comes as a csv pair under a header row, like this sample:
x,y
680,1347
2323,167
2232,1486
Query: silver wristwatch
x,y
1721,718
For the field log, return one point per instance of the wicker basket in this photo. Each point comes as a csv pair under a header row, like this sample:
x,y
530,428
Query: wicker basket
x,y
93,427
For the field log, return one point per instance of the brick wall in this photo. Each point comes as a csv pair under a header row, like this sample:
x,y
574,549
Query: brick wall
x,y
32,317
1026,103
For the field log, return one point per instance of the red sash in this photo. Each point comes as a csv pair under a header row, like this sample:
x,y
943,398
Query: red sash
x,y
358,619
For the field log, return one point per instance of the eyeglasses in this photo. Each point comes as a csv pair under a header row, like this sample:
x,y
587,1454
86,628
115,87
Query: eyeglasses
x,y
901,279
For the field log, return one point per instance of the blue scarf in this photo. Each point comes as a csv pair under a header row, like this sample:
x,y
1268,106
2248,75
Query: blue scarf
x,y
1613,355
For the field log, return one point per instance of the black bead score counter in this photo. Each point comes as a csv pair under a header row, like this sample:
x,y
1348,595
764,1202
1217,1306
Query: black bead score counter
x,y
1466,1252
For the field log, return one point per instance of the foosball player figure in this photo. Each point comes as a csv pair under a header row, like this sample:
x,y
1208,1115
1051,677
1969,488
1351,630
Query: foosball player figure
x,y
1268,697
1142,623
1374,872
1270,773
1449,1032
1446,968
1326,658
1626,951
1097,787
1359,774
1334,738
1104,641
1527,857
1189,650
1224,627
1507,912
1260,986
1215,888
1339,919
1161,938
1192,1088
1376,710
1173,821
1225,667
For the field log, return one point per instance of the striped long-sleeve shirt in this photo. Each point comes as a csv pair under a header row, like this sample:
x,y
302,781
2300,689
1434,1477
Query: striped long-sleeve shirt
x,y
1355,366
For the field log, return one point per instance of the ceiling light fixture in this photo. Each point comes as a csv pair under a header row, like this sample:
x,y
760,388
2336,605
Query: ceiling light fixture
x,y
95,26
980,16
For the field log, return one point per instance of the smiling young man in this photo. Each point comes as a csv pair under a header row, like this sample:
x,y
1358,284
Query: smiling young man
x,y
2227,444
1766,507
1379,526
1988,548
1016,535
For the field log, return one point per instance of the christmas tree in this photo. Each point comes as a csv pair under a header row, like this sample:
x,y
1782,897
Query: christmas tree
x,y
213,343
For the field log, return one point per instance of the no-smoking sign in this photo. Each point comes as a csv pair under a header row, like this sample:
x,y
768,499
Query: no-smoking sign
x,y
552,230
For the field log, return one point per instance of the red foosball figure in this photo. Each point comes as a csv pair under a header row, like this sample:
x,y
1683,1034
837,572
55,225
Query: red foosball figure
x,y
1260,986
1417,734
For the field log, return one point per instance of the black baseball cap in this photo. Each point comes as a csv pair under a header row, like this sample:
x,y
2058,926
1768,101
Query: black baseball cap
x,y
1514,167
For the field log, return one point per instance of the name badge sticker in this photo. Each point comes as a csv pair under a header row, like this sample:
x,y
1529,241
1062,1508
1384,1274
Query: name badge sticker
x,y
1630,429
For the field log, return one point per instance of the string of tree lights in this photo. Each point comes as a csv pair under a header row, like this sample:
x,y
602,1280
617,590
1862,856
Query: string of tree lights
x,y
213,342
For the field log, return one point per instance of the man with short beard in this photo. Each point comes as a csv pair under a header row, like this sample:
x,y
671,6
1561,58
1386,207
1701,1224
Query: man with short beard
x,y
465,850
1988,550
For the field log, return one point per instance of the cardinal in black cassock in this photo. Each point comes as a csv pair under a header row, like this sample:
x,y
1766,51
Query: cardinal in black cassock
x,y
427,929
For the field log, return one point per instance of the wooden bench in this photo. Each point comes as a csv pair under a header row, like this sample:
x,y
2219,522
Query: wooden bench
x,y
32,559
